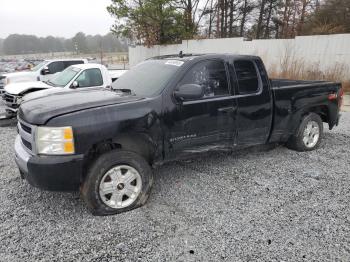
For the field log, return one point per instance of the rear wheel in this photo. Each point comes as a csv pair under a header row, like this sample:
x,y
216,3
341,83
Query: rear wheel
x,y
308,135
117,181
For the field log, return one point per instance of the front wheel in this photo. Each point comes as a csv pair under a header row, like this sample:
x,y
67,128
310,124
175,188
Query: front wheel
x,y
308,135
117,181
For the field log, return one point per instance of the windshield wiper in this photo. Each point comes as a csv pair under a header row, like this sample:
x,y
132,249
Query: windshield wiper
x,y
49,83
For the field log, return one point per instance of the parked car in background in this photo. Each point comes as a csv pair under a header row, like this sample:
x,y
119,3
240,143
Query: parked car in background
x,y
79,76
104,142
40,72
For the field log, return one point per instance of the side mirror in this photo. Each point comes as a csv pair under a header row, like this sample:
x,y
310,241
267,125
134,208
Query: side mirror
x,y
45,71
189,91
75,84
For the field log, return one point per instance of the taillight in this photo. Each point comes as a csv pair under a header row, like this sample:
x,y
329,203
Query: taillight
x,y
332,96
339,96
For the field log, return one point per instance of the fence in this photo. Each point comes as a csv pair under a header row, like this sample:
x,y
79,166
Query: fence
x,y
321,53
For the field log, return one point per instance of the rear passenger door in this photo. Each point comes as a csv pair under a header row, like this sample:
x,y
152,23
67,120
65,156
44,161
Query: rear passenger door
x,y
254,102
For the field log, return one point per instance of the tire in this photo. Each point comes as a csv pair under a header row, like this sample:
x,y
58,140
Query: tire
x,y
304,140
110,171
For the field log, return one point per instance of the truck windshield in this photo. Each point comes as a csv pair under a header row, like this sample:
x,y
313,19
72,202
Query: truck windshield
x,y
148,78
63,78
38,66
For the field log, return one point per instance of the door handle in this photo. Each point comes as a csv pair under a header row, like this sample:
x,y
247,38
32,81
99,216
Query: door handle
x,y
229,109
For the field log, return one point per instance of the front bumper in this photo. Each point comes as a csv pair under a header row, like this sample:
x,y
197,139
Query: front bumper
x,y
54,173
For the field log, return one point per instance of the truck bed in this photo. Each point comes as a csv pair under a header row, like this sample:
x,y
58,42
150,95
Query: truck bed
x,y
281,83
292,96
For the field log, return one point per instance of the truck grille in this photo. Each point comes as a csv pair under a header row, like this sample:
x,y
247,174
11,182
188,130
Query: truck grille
x,y
27,129
9,98
27,135
27,144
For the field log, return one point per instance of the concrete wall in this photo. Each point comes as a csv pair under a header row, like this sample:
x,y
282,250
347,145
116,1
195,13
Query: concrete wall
x,y
323,51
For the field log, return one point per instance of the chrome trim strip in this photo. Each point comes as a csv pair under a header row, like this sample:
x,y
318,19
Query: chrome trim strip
x,y
24,134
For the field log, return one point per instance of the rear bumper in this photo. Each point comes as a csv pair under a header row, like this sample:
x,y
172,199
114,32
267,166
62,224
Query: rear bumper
x,y
54,173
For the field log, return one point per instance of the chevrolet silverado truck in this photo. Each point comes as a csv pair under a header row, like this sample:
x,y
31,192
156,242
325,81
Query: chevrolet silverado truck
x,y
72,78
104,142
40,72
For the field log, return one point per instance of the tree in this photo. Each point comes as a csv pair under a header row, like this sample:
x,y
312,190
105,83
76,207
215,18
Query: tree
x,y
333,16
1,46
148,21
79,40
26,44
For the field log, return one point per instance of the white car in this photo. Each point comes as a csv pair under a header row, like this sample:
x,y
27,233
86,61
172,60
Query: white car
x,y
74,77
40,72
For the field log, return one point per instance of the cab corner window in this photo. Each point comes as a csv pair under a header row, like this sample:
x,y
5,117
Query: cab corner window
x,y
211,75
247,77
90,77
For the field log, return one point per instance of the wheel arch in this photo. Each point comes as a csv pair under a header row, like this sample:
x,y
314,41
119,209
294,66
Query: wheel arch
x,y
321,110
141,144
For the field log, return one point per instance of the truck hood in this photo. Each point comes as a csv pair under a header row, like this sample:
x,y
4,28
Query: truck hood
x,y
50,91
22,74
46,92
19,88
38,111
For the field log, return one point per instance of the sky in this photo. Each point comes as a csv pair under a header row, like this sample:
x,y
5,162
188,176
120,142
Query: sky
x,y
63,18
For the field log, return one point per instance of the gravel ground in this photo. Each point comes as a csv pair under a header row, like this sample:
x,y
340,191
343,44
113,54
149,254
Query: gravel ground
x,y
275,205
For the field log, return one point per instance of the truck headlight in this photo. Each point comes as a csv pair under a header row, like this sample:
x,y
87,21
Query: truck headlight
x,y
55,140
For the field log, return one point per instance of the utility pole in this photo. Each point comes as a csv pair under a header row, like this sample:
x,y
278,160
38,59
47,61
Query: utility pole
x,y
101,52
76,48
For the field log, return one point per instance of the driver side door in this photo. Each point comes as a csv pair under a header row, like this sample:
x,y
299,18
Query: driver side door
x,y
90,78
53,67
206,122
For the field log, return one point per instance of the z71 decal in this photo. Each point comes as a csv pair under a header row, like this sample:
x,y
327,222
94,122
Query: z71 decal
x,y
181,138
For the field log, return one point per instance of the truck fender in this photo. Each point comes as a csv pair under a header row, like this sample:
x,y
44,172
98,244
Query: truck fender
x,y
297,116
139,143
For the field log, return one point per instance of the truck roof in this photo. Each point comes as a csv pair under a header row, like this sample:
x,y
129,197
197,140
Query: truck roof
x,y
88,66
66,59
187,57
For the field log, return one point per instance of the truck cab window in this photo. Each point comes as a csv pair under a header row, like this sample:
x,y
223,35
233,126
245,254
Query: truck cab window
x,y
247,77
263,75
90,77
211,74
55,67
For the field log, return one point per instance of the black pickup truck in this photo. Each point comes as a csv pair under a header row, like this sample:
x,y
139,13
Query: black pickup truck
x,y
105,141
